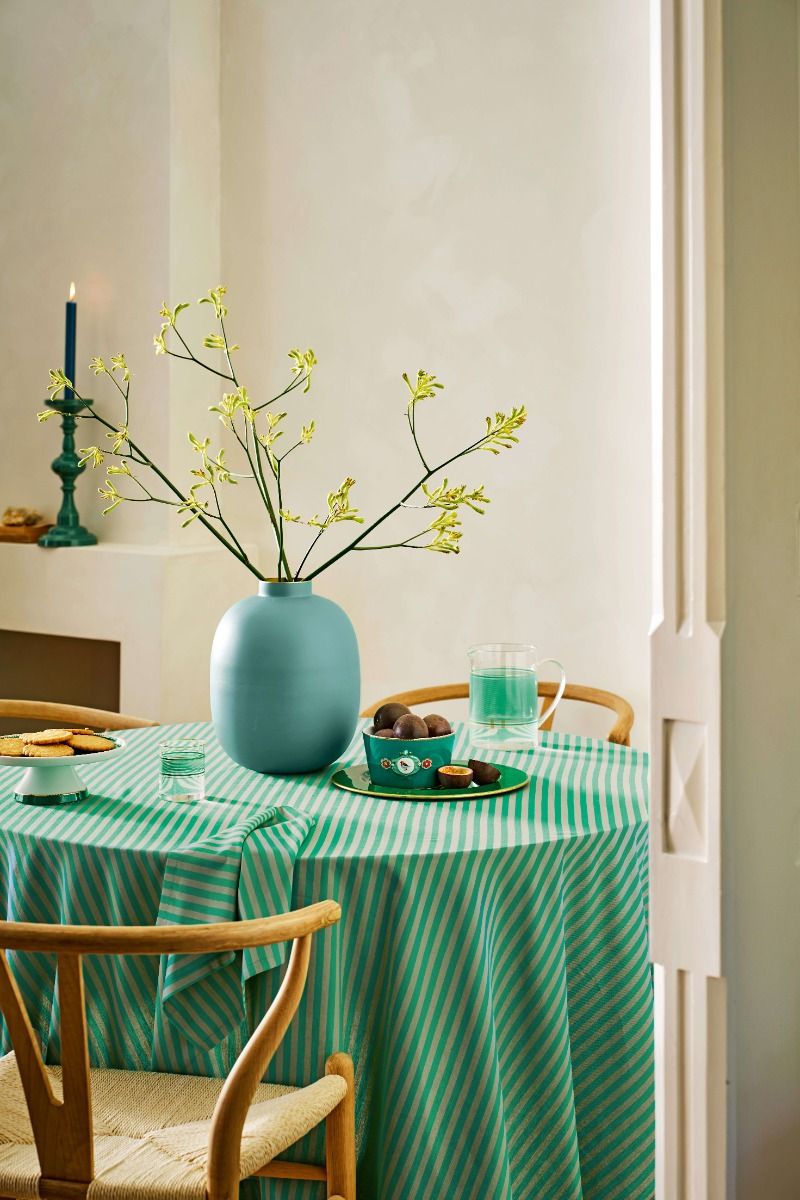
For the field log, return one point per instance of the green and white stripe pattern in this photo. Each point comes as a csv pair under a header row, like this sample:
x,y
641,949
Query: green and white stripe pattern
x,y
489,976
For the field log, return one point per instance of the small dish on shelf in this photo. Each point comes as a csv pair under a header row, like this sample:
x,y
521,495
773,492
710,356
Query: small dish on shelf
x,y
357,779
49,782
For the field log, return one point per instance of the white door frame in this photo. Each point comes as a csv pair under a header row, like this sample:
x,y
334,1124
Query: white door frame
x,y
689,599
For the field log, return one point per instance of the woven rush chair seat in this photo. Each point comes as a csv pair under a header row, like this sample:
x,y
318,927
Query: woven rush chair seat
x,y
72,1132
151,1130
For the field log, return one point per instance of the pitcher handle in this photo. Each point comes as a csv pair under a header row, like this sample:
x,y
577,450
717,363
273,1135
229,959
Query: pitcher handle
x,y
545,715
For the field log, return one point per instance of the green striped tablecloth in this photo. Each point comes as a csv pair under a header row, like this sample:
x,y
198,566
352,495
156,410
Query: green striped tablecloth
x,y
490,973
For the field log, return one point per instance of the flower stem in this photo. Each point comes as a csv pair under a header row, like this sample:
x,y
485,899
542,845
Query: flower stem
x,y
256,465
397,545
308,552
412,424
281,555
190,357
264,490
228,353
354,545
289,388
225,524
242,557
283,563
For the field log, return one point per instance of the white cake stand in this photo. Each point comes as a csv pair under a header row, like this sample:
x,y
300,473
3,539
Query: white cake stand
x,y
55,781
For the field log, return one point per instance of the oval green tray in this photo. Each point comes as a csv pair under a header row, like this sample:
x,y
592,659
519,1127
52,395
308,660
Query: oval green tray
x,y
356,779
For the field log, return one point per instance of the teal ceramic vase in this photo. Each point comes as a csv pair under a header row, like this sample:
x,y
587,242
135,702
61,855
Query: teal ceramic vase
x,y
285,680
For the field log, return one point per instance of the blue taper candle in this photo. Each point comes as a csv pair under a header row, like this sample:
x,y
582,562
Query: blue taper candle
x,y
69,348
68,530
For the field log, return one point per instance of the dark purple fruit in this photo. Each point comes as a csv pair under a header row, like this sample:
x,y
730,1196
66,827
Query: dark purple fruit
x,y
387,714
484,772
437,726
382,733
454,776
409,727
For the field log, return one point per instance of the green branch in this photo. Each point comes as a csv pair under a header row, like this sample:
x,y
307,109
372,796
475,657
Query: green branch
x,y
442,534
308,553
148,462
356,542
412,424
281,555
190,357
289,388
407,543
256,465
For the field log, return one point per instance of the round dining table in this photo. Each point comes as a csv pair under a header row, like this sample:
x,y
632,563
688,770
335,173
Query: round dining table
x,y
489,975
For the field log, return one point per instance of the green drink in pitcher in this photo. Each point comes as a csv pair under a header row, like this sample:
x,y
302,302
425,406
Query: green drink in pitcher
x,y
503,696
498,697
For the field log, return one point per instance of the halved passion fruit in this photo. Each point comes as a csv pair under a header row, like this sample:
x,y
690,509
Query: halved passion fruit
x,y
484,772
454,776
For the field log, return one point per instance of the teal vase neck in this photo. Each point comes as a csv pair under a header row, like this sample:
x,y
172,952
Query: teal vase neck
x,y
285,589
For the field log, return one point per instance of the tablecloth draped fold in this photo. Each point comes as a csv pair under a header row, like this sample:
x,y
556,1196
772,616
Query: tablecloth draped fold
x,y
210,881
141,862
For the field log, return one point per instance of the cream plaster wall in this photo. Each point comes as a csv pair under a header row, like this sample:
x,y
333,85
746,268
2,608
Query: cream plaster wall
x,y
456,186
463,187
109,169
85,175
109,127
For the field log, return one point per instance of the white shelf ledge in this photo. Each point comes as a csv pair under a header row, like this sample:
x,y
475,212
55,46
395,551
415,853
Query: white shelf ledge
x,y
161,603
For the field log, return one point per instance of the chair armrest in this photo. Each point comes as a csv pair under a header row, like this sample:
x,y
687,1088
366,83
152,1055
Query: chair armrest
x,y
169,939
230,1111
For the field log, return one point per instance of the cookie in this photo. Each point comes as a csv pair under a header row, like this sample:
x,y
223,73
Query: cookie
x,y
90,743
47,737
12,746
55,750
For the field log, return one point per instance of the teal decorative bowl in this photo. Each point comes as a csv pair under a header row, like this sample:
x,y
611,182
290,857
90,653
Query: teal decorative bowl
x,y
407,762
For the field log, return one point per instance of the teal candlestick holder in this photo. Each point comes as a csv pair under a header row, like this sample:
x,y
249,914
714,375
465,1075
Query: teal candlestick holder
x,y
68,530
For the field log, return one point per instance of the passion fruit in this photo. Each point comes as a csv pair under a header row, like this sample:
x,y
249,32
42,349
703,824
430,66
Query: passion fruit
x,y
484,772
384,733
409,727
454,776
437,726
387,714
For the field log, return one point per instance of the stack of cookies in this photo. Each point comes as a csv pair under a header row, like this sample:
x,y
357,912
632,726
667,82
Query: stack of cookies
x,y
55,743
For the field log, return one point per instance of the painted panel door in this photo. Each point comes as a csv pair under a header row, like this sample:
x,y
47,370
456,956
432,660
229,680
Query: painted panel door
x,y
688,599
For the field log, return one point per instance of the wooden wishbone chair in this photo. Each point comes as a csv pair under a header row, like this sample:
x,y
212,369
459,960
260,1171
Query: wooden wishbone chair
x,y
158,1136
620,731
70,714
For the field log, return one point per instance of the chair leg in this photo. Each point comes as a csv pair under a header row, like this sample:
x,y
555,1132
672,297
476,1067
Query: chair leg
x,y
340,1134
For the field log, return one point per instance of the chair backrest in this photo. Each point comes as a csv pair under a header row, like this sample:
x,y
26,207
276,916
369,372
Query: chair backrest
x,y
620,731
63,1130
70,714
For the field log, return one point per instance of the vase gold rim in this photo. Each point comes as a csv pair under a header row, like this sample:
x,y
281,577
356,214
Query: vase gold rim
x,y
285,587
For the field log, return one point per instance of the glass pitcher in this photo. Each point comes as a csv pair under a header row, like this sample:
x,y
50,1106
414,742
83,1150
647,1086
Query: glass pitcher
x,y
504,695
